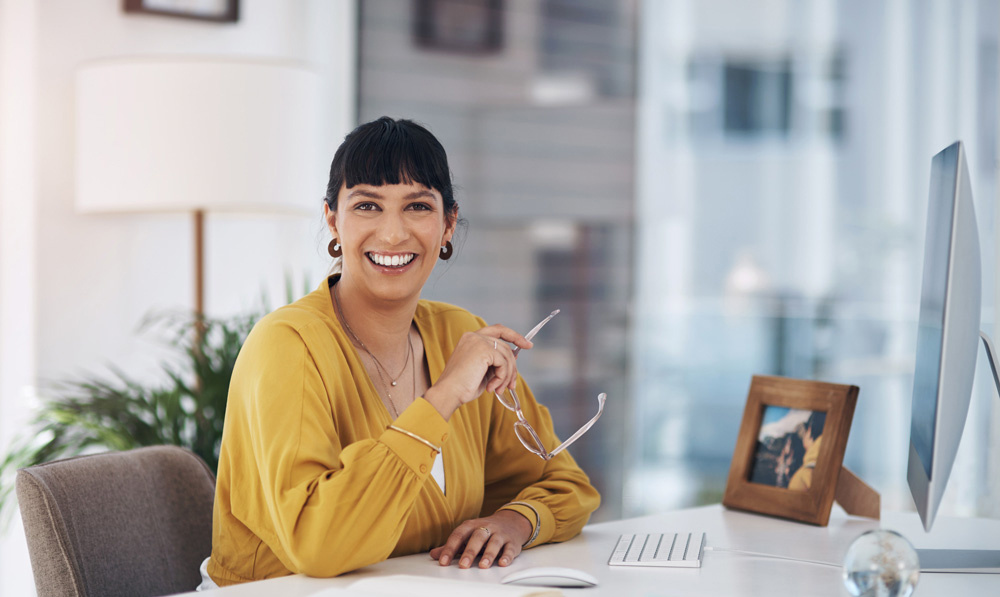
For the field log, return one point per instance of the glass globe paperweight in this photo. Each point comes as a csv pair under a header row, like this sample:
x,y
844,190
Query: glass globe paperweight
x,y
881,564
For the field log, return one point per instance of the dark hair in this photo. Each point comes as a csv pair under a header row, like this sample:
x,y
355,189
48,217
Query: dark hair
x,y
388,151
816,423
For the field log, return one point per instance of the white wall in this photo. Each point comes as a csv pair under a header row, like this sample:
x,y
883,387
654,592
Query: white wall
x,y
17,250
74,288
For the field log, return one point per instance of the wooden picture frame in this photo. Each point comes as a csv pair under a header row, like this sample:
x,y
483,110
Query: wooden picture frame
x,y
219,11
786,492
461,26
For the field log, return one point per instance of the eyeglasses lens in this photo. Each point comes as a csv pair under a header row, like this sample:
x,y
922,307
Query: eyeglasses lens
x,y
527,438
507,400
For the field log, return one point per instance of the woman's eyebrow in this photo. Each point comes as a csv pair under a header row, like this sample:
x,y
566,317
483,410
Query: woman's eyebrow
x,y
364,193
422,194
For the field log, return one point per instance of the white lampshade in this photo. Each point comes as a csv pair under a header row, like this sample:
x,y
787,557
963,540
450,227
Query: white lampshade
x,y
191,134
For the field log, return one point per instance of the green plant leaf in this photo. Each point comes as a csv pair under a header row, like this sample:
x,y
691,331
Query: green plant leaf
x,y
116,412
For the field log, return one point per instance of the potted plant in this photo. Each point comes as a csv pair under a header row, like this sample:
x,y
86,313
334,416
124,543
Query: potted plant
x,y
117,412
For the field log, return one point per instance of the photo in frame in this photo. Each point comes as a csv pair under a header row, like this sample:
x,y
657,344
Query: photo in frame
x,y
788,460
461,26
218,11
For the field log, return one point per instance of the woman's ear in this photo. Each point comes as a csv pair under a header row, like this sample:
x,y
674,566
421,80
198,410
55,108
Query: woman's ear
x,y
451,222
331,219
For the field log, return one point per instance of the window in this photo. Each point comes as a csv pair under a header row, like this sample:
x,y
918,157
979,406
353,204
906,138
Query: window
x,y
784,169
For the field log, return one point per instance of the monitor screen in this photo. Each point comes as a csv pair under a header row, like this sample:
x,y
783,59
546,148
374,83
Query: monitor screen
x,y
947,333
930,329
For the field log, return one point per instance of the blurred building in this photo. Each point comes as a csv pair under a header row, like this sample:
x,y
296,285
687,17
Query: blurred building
x,y
784,153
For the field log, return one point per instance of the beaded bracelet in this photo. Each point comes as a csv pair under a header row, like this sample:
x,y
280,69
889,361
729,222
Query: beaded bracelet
x,y
538,519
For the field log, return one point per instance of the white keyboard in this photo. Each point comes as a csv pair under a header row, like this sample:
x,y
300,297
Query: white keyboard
x,y
674,550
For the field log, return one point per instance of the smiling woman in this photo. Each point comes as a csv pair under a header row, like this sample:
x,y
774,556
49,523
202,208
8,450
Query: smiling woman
x,y
361,423
390,230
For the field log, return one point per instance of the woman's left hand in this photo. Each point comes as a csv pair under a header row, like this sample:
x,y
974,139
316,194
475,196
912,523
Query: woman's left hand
x,y
498,538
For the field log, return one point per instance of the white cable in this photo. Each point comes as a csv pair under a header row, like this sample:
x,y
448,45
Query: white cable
x,y
770,555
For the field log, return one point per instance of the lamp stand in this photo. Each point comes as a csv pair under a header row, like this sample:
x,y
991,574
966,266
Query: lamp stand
x,y
199,265
199,288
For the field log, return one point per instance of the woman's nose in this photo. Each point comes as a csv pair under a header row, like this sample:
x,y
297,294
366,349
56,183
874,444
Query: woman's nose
x,y
392,228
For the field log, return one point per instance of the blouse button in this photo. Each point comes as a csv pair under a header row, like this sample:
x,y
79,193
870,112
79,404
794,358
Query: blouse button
x,y
433,453
444,438
423,468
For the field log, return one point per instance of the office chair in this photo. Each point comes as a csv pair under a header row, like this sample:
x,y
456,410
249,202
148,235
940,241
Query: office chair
x,y
119,523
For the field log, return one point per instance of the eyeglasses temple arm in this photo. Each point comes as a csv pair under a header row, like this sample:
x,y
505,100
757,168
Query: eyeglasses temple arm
x,y
535,330
579,432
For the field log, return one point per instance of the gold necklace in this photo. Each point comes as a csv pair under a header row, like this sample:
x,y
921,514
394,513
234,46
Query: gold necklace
x,y
392,403
382,372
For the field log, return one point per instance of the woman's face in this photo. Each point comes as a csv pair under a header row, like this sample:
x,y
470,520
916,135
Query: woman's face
x,y
391,236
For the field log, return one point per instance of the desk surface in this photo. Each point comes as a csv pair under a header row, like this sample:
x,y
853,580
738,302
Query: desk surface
x,y
721,573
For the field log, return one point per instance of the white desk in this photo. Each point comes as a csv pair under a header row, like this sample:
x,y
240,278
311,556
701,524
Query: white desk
x,y
721,573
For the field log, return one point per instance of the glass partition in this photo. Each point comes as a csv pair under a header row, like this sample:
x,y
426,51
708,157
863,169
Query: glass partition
x,y
708,189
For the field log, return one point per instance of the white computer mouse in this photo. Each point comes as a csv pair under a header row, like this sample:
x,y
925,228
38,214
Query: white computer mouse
x,y
550,577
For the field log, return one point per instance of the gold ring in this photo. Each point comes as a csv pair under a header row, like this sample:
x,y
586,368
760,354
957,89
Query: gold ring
x,y
488,532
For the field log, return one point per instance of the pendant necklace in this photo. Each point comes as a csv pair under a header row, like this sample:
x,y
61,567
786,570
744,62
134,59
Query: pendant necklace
x,y
382,372
409,356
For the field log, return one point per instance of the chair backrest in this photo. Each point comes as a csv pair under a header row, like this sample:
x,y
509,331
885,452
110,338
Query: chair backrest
x,y
119,523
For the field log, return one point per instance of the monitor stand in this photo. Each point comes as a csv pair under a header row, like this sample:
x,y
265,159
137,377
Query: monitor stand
x,y
991,355
968,561
982,561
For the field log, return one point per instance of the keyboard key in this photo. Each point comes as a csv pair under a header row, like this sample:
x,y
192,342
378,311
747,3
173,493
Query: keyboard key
x,y
635,550
696,547
667,544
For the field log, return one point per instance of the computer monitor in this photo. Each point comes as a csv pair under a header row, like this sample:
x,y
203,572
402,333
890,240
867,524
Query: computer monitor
x,y
948,338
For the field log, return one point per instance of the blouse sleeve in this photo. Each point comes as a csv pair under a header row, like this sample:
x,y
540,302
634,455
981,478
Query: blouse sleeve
x,y
555,495
324,508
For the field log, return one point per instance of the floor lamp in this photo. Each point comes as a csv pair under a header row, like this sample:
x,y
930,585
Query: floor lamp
x,y
197,135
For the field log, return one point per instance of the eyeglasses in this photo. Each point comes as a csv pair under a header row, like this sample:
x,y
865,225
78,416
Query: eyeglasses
x,y
524,431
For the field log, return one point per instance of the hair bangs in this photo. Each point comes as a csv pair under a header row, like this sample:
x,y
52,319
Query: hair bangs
x,y
392,157
388,151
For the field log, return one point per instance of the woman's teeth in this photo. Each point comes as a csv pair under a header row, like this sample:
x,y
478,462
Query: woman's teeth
x,y
391,260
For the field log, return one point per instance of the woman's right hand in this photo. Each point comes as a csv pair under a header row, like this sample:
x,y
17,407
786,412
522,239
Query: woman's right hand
x,y
482,361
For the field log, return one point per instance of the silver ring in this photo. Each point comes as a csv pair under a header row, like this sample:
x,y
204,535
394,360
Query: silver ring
x,y
494,348
488,532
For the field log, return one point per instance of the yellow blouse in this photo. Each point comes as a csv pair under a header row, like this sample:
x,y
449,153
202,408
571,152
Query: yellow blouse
x,y
311,479
802,479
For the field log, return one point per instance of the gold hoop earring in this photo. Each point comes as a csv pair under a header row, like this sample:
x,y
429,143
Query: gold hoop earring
x,y
334,249
447,251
